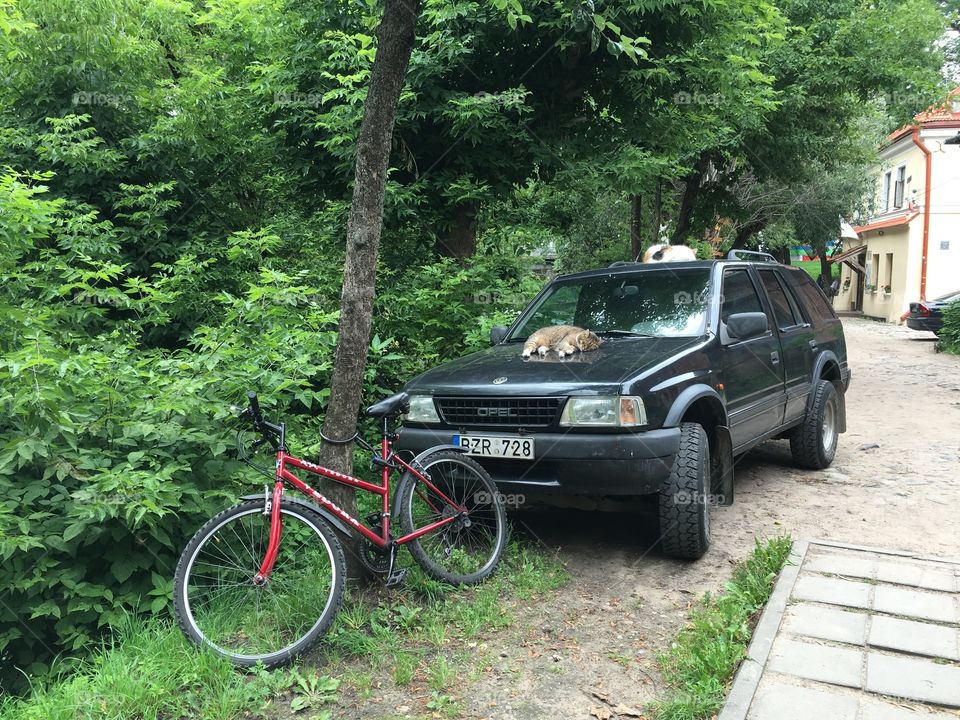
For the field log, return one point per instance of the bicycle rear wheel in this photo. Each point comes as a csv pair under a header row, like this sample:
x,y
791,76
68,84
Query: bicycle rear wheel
x,y
467,550
218,605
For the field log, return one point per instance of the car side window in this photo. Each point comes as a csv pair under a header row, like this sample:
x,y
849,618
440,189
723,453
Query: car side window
x,y
782,308
739,294
814,300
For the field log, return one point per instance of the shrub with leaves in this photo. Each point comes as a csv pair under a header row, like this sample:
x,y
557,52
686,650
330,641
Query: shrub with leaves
x,y
950,332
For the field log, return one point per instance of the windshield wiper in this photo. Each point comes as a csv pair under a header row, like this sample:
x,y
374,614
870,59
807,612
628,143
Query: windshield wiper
x,y
623,333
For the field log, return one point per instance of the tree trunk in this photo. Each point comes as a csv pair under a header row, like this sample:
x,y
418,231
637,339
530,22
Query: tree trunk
x,y
395,42
462,239
689,201
826,268
636,226
746,232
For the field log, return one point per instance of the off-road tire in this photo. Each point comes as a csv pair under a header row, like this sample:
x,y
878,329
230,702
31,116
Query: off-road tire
x,y
813,443
684,503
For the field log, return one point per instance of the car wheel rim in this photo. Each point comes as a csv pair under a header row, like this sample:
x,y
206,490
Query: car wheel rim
x,y
829,429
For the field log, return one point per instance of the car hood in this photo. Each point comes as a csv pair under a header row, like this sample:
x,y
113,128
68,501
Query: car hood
x,y
501,370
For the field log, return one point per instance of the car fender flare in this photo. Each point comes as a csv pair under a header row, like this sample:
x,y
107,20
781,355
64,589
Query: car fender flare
x,y
825,358
689,396
322,512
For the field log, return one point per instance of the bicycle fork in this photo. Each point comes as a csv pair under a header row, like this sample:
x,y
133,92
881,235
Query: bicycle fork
x,y
271,506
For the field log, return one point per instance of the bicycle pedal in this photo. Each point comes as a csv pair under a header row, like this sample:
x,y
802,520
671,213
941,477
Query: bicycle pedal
x,y
396,577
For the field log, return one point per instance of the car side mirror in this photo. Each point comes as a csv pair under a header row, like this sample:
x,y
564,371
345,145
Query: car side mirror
x,y
497,334
743,326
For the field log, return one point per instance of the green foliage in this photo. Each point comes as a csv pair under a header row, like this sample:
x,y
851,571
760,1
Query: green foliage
x,y
114,450
708,650
950,332
150,670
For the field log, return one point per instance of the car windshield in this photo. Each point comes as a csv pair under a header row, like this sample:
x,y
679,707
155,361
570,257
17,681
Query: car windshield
x,y
949,297
664,302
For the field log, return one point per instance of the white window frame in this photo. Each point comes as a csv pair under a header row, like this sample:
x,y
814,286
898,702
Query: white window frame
x,y
885,193
900,187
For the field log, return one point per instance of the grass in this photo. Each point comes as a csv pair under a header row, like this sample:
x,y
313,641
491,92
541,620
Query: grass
x,y
415,633
151,671
702,661
811,266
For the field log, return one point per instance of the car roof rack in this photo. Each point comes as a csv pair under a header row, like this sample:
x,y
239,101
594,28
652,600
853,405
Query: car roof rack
x,y
753,256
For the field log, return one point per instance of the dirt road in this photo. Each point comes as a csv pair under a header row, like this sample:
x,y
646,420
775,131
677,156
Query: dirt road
x,y
895,483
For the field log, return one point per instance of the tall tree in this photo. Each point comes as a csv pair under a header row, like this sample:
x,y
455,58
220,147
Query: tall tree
x,y
396,36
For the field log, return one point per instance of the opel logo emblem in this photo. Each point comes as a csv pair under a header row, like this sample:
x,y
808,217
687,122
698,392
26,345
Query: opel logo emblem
x,y
499,381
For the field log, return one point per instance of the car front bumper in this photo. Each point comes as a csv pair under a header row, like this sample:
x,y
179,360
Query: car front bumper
x,y
573,463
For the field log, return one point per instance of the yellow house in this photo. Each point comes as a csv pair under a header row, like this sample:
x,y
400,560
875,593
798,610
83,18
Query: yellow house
x,y
909,246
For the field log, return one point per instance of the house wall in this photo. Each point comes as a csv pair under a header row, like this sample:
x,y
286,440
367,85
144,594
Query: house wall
x,y
905,242
902,245
943,263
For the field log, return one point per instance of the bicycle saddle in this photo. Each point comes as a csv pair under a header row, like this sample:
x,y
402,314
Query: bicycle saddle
x,y
389,407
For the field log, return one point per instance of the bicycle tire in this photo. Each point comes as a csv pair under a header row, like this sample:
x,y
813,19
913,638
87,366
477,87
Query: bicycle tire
x,y
218,606
461,545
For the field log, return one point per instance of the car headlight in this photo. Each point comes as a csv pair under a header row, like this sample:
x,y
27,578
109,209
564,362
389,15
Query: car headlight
x,y
422,410
608,411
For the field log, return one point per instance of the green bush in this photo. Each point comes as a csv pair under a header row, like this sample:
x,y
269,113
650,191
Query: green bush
x,y
950,332
115,445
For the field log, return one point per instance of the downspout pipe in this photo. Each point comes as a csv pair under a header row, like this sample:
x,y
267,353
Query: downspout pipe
x,y
928,157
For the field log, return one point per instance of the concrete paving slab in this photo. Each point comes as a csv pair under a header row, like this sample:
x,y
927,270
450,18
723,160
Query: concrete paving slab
x,y
875,709
827,623
789,702
915,637
836,564
828,664
915,603
922,680
824,642
833,590
916,575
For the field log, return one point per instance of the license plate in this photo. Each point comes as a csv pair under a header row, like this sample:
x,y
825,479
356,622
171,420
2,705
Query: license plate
x,y
496,446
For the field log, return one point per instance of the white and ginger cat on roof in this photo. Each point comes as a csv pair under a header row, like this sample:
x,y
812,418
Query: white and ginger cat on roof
x,y
668,253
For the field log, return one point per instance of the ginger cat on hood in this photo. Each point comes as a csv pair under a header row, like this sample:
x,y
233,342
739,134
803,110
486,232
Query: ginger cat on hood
x,y
565,339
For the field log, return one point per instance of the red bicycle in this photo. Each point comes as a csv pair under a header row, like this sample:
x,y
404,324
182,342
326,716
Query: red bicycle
x,y
263,580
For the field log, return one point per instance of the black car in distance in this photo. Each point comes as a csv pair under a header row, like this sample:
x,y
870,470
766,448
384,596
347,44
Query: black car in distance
x,y
700,361
928,314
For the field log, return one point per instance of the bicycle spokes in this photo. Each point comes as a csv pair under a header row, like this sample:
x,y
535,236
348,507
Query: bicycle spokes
x,y
468,544
244,616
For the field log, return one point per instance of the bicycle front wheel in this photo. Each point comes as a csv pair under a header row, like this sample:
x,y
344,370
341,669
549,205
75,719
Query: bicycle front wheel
x,y
218,605
468,549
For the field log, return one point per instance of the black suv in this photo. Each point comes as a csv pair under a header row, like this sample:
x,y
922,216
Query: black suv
x,y
700,361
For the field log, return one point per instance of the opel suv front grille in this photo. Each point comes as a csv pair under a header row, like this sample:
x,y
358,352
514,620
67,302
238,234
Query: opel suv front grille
x,y
517,412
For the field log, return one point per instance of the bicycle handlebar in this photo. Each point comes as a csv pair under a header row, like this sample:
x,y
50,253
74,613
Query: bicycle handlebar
x,y
254,407
273,434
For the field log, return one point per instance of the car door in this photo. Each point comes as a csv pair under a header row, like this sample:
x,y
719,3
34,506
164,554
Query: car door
x,y
797,343
753,379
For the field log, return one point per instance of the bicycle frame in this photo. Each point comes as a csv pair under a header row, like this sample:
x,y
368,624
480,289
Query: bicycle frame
x,y
389,462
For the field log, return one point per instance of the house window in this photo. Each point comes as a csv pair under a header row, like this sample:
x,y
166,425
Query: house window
x,y
898,188
885,197
888,273
875,270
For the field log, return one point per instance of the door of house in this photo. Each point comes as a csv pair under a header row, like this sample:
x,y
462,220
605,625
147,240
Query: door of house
x,y
861,282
